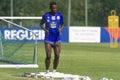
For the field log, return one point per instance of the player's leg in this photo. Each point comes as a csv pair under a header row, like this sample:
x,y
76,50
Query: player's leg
x,y
48,49
57,49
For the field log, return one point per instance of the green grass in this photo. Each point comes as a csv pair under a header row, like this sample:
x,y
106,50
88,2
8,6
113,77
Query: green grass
x,y
95,60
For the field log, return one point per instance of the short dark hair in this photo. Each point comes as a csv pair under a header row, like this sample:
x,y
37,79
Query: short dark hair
x,y
52,3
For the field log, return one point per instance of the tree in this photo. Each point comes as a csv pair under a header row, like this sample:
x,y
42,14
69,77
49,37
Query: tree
x,y
98,10
4,7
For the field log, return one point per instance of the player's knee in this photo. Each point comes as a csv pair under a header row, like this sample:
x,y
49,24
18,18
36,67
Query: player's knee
x,y
57,57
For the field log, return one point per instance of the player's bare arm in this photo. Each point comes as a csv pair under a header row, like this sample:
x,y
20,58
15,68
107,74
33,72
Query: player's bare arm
x,y
43,27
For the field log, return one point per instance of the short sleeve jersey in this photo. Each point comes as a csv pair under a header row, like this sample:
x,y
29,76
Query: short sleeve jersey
x,y
52,23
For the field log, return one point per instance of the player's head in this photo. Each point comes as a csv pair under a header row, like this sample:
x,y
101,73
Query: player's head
x,y
53,7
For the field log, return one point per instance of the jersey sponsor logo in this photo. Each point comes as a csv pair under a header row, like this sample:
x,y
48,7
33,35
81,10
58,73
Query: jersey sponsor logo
x,y
53,25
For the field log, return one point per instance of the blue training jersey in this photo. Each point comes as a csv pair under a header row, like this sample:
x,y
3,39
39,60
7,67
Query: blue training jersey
x,y
52,23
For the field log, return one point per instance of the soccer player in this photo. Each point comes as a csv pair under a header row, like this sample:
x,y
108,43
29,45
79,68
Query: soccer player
x,y
52,23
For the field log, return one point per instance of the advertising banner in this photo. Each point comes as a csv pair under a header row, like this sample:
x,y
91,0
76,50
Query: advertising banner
x,y
105,34
69,34
19,34
84,34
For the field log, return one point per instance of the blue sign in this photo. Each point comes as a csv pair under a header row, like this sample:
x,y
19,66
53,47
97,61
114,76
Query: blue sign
x,y
35,33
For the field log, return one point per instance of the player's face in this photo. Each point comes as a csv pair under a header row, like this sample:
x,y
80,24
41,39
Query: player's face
x,y
54,9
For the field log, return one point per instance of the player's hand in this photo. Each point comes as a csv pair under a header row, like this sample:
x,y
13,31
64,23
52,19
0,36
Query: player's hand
x,y
46,31
60,30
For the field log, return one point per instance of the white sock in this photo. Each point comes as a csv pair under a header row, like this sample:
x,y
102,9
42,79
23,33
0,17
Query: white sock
x,y
54,70
47,71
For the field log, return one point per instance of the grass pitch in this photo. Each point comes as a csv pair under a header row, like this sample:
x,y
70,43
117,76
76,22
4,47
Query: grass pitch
x,y
96,60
